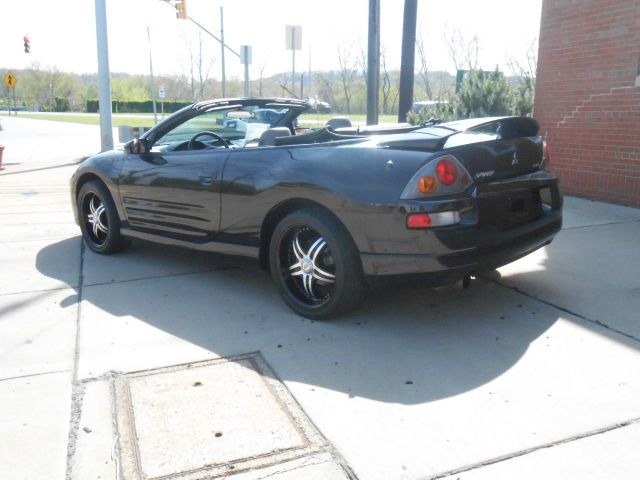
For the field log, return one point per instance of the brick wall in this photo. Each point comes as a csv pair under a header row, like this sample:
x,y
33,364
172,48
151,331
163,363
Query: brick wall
x,y
587,100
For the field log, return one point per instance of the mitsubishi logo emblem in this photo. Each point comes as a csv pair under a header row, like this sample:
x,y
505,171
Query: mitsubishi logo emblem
x,y
514,161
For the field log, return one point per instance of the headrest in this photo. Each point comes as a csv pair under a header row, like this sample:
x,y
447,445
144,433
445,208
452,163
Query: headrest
x,y
268,137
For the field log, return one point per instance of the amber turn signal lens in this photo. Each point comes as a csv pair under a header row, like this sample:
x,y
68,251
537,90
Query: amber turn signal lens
x,y
427,184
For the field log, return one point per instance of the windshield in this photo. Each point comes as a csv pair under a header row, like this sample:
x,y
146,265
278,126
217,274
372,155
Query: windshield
x,y
233,129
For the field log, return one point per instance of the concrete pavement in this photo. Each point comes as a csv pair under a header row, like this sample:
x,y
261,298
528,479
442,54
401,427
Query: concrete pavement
x,y
533,372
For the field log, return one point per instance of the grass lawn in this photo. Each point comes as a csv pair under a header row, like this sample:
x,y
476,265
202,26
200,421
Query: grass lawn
x,y
146,120
90,119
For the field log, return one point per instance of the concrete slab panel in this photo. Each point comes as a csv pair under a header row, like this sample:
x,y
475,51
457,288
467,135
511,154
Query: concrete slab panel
x,y
38,332
426,380
144,260
18,203
613,454
31,142
34,221
94,456
579,212
51,232
316,467
39,265
208,419
34,421
592,271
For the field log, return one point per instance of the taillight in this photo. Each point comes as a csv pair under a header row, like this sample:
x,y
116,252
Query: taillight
x,y
447,172
418,220
444,175
432,219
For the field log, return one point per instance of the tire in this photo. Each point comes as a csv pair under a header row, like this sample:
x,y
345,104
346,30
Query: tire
x,y
315,265
99,219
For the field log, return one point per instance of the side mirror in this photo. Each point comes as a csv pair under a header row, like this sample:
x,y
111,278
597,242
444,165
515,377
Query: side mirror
x,y
137,146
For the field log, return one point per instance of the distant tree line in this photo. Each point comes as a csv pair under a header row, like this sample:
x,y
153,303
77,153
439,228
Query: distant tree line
x,y
480,94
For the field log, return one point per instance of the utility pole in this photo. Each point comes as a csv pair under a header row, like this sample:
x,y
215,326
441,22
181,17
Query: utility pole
x,y
104,83
224,77
153,82
407,64
373,62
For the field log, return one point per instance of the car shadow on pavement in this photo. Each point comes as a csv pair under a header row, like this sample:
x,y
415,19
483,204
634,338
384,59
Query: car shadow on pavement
x,y
407,344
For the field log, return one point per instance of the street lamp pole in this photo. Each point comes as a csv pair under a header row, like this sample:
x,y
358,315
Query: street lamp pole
x,y
153,82
224,76
104,83
373,62
407,61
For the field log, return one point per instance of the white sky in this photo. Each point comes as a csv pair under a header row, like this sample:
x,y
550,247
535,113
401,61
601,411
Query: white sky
x,y
62,32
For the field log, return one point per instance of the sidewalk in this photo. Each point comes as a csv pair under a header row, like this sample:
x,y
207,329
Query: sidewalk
x,y
533,372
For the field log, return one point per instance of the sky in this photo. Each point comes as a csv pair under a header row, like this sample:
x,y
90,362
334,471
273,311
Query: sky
x,y
62,32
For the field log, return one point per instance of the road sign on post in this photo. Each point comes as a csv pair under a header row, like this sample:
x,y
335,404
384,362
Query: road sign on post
x,y
161,97
10,80
293,42
245,59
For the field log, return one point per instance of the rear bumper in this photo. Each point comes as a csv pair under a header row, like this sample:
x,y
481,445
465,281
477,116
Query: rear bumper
x,y
492,250
474,246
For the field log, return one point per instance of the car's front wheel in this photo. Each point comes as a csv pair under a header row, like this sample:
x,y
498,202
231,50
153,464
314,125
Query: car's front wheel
x,y
99,220
315,264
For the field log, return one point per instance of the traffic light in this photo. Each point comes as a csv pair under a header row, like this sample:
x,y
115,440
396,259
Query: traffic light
x,y
181,9
27,44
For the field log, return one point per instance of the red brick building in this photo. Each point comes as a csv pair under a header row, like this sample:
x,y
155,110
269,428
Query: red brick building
x,y
588,96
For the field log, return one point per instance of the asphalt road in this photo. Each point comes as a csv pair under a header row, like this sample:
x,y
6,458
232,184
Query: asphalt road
x,y
533,372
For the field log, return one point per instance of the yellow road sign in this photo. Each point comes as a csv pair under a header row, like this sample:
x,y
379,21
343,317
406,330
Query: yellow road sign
x,y
10,80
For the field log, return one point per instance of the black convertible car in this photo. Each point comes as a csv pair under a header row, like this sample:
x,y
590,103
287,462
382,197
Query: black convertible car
x,y
324,210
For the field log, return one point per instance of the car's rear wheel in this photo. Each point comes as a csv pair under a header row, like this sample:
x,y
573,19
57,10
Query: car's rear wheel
x,y
99,220
315,264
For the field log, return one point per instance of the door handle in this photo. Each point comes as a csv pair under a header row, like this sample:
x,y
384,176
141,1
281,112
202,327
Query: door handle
x,y
207,179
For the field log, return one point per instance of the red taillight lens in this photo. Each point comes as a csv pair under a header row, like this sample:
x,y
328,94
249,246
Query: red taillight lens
x,y
447,172
418,220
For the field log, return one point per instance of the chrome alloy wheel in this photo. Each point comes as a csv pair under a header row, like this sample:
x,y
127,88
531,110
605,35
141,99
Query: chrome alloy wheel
x,y
95,214
311,269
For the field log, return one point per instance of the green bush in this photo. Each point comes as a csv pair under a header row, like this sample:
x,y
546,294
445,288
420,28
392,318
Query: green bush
x,y
61,104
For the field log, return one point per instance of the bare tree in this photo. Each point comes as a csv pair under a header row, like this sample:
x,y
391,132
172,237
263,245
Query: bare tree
x,y
198,67
326,87
423,70
524,70
528,66
389,94
363,65
261,68
204,67
347,72
463,51
386,82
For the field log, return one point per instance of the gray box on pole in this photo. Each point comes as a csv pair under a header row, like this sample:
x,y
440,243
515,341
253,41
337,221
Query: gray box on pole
x,y
293,40
246,56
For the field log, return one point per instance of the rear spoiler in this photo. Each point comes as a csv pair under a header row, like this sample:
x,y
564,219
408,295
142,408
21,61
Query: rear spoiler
x,y
434,137
504,127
